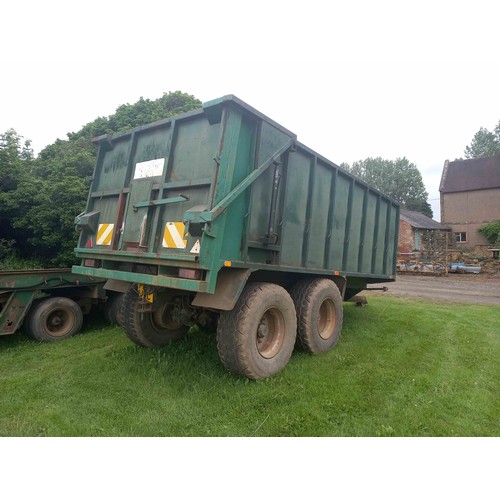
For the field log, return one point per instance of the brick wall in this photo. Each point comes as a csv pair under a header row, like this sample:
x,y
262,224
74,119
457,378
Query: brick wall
x,y
406,241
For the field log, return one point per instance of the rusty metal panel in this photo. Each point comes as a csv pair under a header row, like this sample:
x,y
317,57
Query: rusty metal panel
x,y
230,283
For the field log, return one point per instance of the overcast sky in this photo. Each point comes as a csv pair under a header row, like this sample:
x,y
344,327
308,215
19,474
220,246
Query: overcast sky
x,y
352,81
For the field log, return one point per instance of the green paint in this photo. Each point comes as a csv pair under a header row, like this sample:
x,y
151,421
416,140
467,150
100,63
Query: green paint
x,y
247,192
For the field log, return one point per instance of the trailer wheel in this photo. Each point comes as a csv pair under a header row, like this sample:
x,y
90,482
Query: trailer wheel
x,y
257,337
150,329
55,318
113,308
319,314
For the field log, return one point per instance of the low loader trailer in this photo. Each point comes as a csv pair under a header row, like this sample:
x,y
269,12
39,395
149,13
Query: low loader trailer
x,y
48,303
220,218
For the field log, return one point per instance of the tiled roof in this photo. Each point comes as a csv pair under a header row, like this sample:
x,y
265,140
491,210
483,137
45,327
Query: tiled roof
x,y
420,221
471,175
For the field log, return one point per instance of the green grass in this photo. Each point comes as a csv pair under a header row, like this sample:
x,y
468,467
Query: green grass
x,y
401,368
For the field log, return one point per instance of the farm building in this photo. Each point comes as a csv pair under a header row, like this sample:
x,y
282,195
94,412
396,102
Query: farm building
x,y
413,231
470,197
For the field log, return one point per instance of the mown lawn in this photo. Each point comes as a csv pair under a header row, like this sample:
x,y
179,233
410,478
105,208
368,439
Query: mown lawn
x,y
401,368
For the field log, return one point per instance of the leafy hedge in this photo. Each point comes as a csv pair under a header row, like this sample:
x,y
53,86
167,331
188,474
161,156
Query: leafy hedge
x,y
492,232
40,196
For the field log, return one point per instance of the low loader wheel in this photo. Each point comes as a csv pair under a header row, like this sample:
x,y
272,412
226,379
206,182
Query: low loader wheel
x,y
54,318
150,329
319,314
257,337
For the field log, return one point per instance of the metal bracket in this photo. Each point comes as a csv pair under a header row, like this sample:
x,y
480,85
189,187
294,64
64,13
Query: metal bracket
x,y
163,201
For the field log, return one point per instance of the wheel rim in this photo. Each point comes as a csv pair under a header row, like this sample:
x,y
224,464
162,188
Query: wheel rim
x,y
163,318
59,323
270,333
327,319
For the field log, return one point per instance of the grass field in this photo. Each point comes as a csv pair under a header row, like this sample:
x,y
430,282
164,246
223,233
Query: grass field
x,y
401,368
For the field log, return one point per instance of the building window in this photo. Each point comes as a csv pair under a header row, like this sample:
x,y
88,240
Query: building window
x,y
461,237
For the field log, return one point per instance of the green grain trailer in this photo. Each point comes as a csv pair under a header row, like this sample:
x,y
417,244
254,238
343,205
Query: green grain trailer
x,y
220,217
48,303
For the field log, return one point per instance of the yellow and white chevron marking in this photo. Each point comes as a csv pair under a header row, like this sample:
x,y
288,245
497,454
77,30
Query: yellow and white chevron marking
x,y
105,234
173,237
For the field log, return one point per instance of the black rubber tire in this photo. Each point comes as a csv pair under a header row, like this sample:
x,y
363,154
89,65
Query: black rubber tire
x,y
256,338
113,308
54,318
320,314
144,328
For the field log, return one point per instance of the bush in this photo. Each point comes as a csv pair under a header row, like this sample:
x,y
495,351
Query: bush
x,y
492,232
6,248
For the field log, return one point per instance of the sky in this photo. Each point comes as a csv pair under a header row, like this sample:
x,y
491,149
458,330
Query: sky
x,y
366,79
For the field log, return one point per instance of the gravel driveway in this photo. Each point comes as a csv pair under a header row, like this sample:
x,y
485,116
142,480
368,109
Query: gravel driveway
x,y
461,288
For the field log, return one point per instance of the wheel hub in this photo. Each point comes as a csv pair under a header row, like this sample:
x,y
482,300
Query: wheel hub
x,y
56,321
327,319
263,330
165,317
270,333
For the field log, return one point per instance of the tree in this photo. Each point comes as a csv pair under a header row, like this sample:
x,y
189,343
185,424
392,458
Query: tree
x,y
15,162
484,143
12,154
398,179
419,205
144,111
45,198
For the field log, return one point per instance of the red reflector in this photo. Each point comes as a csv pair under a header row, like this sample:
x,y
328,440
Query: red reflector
x,y
190,274
89,243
